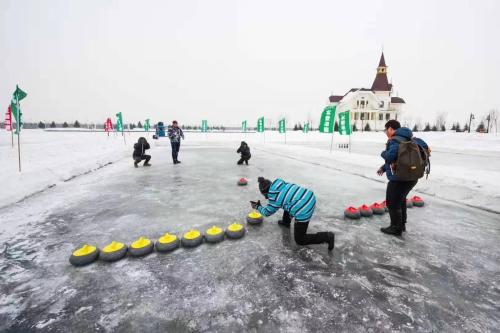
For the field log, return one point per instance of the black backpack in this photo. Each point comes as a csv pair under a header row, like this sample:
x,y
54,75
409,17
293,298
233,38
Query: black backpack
x,y
412,161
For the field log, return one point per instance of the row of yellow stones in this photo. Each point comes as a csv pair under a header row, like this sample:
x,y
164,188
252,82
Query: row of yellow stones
x,y
165,239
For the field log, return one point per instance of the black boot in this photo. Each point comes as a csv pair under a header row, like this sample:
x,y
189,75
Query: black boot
x,y
135,164
284,224
331,241
404,227
391,231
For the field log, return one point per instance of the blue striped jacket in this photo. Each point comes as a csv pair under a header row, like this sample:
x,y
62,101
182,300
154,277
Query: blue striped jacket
x,y
297,201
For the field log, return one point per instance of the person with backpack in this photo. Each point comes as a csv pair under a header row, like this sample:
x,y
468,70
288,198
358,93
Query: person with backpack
x,y
244,150
298,203
406,161
175,134
139,152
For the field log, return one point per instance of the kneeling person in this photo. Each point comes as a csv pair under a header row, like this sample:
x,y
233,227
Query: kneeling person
x,y
298,203
139,152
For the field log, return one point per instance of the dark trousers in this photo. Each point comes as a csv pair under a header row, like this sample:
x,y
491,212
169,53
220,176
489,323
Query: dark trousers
x,y
175,149
396,201
300,232
244,159
138,159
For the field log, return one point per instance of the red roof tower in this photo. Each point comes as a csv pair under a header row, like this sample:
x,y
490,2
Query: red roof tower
x,y
381,83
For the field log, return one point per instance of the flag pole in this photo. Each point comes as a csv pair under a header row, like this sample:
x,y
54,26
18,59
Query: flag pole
x,y
18,125
331,143
11,134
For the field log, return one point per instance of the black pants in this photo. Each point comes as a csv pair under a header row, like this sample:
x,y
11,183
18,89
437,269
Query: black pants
x,y
396,201
244,159
300,232
138,159
175,149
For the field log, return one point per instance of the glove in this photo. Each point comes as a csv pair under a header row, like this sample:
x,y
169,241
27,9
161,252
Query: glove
x,y
255,204
380,171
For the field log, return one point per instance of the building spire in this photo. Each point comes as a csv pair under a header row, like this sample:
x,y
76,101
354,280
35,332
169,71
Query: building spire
x,y
381,83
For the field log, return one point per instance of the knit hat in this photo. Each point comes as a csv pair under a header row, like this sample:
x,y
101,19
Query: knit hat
x,y
264,185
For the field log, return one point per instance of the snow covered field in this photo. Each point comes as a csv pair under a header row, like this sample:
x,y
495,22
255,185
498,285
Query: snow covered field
x,y
443,276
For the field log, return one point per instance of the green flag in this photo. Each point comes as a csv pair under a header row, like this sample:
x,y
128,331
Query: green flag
x,y
146,125
204,126
19,95
119,122
327,119
282,126
306,128
344,123
244,126
260,125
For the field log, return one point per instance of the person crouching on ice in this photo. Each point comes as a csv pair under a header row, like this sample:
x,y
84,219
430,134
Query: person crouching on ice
x,y
244,150
298,203
139,152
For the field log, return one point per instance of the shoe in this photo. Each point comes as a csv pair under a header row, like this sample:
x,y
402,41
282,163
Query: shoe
x,y
404,227
178,162
246,162
135,164
391,231
284,224
146,164
331,241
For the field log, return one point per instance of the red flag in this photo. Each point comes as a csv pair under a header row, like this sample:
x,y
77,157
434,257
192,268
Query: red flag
x,y
109,125
8,120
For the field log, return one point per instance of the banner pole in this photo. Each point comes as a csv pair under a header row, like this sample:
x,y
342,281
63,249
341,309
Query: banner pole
x,y
11,134
18,125
349,143
331,143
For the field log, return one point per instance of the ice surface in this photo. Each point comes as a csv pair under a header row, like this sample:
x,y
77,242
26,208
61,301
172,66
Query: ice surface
x,y
442,276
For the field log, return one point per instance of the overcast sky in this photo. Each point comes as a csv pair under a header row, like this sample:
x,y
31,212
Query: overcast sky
x,y
227,61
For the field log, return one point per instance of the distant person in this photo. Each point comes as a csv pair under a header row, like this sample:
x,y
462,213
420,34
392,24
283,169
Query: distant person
x,y
406,160
244,150
175,134
139,152
298,203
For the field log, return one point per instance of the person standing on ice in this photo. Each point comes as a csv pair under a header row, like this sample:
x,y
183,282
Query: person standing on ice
x,y
244,150
298,203
403,167
139,152
175,134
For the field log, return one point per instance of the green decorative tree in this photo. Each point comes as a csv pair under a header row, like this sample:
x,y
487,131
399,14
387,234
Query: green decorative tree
x,y
139,124
457,128
53,125
427,127
454,127
443,128
434,128
466,128
336,127
354,128
65,125
41,125
367,127
76,124
415,128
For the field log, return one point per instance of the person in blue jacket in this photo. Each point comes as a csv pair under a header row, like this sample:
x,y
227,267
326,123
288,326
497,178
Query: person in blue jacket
x,y
397,190
175,134
298,203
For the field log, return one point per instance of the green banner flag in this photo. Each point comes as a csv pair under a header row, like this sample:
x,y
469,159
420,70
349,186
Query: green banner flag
x,y
260,125
147,126
327,119
344,123
19,94
306,128
282,126
204,126
244,126
119,122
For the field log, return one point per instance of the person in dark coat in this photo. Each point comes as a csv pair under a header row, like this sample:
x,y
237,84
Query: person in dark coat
x,y
175,134
139,152
244,150
397,189
298,203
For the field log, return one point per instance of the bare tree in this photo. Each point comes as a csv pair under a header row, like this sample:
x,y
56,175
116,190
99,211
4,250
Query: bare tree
x,y
441,119
493,120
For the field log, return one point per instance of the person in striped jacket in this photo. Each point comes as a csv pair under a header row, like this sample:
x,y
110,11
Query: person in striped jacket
x,y
298,203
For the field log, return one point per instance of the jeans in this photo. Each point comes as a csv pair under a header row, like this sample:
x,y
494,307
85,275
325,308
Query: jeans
x,y
175,149
396,201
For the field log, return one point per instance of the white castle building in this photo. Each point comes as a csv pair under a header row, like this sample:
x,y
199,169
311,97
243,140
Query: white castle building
x,y
373,106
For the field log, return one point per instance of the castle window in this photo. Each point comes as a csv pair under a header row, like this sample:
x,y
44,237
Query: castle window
x,y
357,102
380,116
373,115
381,104
362,116
356,115
387,116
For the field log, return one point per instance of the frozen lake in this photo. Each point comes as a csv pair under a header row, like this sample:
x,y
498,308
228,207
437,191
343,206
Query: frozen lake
x,y
442,276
